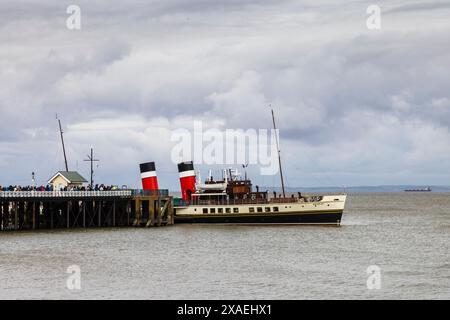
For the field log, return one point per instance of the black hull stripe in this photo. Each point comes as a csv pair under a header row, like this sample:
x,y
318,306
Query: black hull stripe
x,y
318,218
259,214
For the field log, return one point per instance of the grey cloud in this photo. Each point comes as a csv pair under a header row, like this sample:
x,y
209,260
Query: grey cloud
x,y
420,6
358,106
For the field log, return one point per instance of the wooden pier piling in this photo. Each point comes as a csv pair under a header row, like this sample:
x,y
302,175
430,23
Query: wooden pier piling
x,y
153,211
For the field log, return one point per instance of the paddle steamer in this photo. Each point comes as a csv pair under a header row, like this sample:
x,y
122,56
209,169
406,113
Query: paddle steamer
x,y
233,200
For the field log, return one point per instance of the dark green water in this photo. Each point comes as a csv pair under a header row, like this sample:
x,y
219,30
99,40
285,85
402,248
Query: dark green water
x,y
406,234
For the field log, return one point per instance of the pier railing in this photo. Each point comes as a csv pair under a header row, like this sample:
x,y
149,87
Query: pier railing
x,y
81,194
64,194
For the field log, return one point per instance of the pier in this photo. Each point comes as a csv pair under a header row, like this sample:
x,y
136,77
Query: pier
x,y
33,210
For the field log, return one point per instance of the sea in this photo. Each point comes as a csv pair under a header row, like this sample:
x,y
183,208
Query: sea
x,y
389,246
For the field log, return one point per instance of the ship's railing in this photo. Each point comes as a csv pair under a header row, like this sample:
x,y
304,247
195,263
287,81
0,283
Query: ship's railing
x,y
81,194
180,202
283,200
213,202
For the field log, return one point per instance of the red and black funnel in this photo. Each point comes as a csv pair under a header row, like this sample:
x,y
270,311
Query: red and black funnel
x,y
187,179
148,176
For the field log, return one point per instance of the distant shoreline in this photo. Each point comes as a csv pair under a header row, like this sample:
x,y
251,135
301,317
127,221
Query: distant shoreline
x,y
362,189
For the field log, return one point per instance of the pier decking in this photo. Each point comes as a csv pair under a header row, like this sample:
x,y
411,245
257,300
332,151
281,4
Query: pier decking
x,y
31,210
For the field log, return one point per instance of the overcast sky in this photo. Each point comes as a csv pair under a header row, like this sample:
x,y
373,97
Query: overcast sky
x,y
354,106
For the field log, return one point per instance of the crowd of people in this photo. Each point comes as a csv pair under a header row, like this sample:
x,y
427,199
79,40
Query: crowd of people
x,y
49,187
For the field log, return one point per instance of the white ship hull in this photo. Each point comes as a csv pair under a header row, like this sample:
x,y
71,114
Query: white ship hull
x,y
327,211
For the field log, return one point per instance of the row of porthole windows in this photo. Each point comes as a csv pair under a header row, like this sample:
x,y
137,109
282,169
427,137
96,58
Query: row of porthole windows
x,y
220,210
236,210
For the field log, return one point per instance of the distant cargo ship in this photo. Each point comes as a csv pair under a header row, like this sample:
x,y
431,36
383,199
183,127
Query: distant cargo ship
x,y
428,189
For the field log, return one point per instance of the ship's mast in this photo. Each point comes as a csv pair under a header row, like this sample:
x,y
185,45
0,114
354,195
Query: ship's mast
x,y
62,141
279,155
